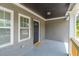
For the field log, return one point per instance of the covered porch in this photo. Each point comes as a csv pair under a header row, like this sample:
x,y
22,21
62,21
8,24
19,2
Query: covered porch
x,y
37,29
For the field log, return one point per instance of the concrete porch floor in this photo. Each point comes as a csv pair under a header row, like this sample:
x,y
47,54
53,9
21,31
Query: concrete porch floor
x,y
49,48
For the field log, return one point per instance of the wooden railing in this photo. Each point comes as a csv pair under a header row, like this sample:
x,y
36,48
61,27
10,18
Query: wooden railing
x,y
75,48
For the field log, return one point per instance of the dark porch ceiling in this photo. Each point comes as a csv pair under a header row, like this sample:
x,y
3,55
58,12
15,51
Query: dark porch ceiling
x,y
48,10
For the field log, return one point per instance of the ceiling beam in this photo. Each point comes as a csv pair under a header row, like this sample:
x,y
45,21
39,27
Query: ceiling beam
x,y
56,18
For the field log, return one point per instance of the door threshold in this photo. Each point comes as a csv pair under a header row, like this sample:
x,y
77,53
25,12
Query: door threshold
x,y
37,44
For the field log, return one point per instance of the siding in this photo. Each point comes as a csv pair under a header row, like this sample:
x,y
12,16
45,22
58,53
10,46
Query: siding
x,y
57,30
16,49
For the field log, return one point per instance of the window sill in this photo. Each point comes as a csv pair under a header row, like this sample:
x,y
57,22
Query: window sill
x,y
24,39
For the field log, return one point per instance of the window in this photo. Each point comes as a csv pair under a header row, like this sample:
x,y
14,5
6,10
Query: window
x,y
24,28
77,26
6,27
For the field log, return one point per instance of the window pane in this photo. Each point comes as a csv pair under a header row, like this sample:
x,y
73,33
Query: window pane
x,y
4,36
1,24
24,33
25,24
21,22
27,20
1,14
1,18
4,19
7,23
21,18
7,15
7,18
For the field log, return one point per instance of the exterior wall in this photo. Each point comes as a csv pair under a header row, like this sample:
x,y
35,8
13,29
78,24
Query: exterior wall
x,y
57,30
16,48
72,13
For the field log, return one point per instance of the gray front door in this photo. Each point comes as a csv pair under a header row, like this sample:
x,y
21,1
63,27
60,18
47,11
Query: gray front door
x,y
36,32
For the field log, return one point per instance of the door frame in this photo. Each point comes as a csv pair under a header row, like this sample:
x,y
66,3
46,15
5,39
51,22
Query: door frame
x,y
39,29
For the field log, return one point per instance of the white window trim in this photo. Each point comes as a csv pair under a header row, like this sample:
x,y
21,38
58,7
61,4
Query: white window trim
x,y
20,27
39,28
11,28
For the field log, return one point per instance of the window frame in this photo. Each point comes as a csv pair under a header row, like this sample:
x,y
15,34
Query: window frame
x,y
22,15
11,27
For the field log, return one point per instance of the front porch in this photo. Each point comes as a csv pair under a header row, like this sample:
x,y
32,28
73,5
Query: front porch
x,y
45,48
26,33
